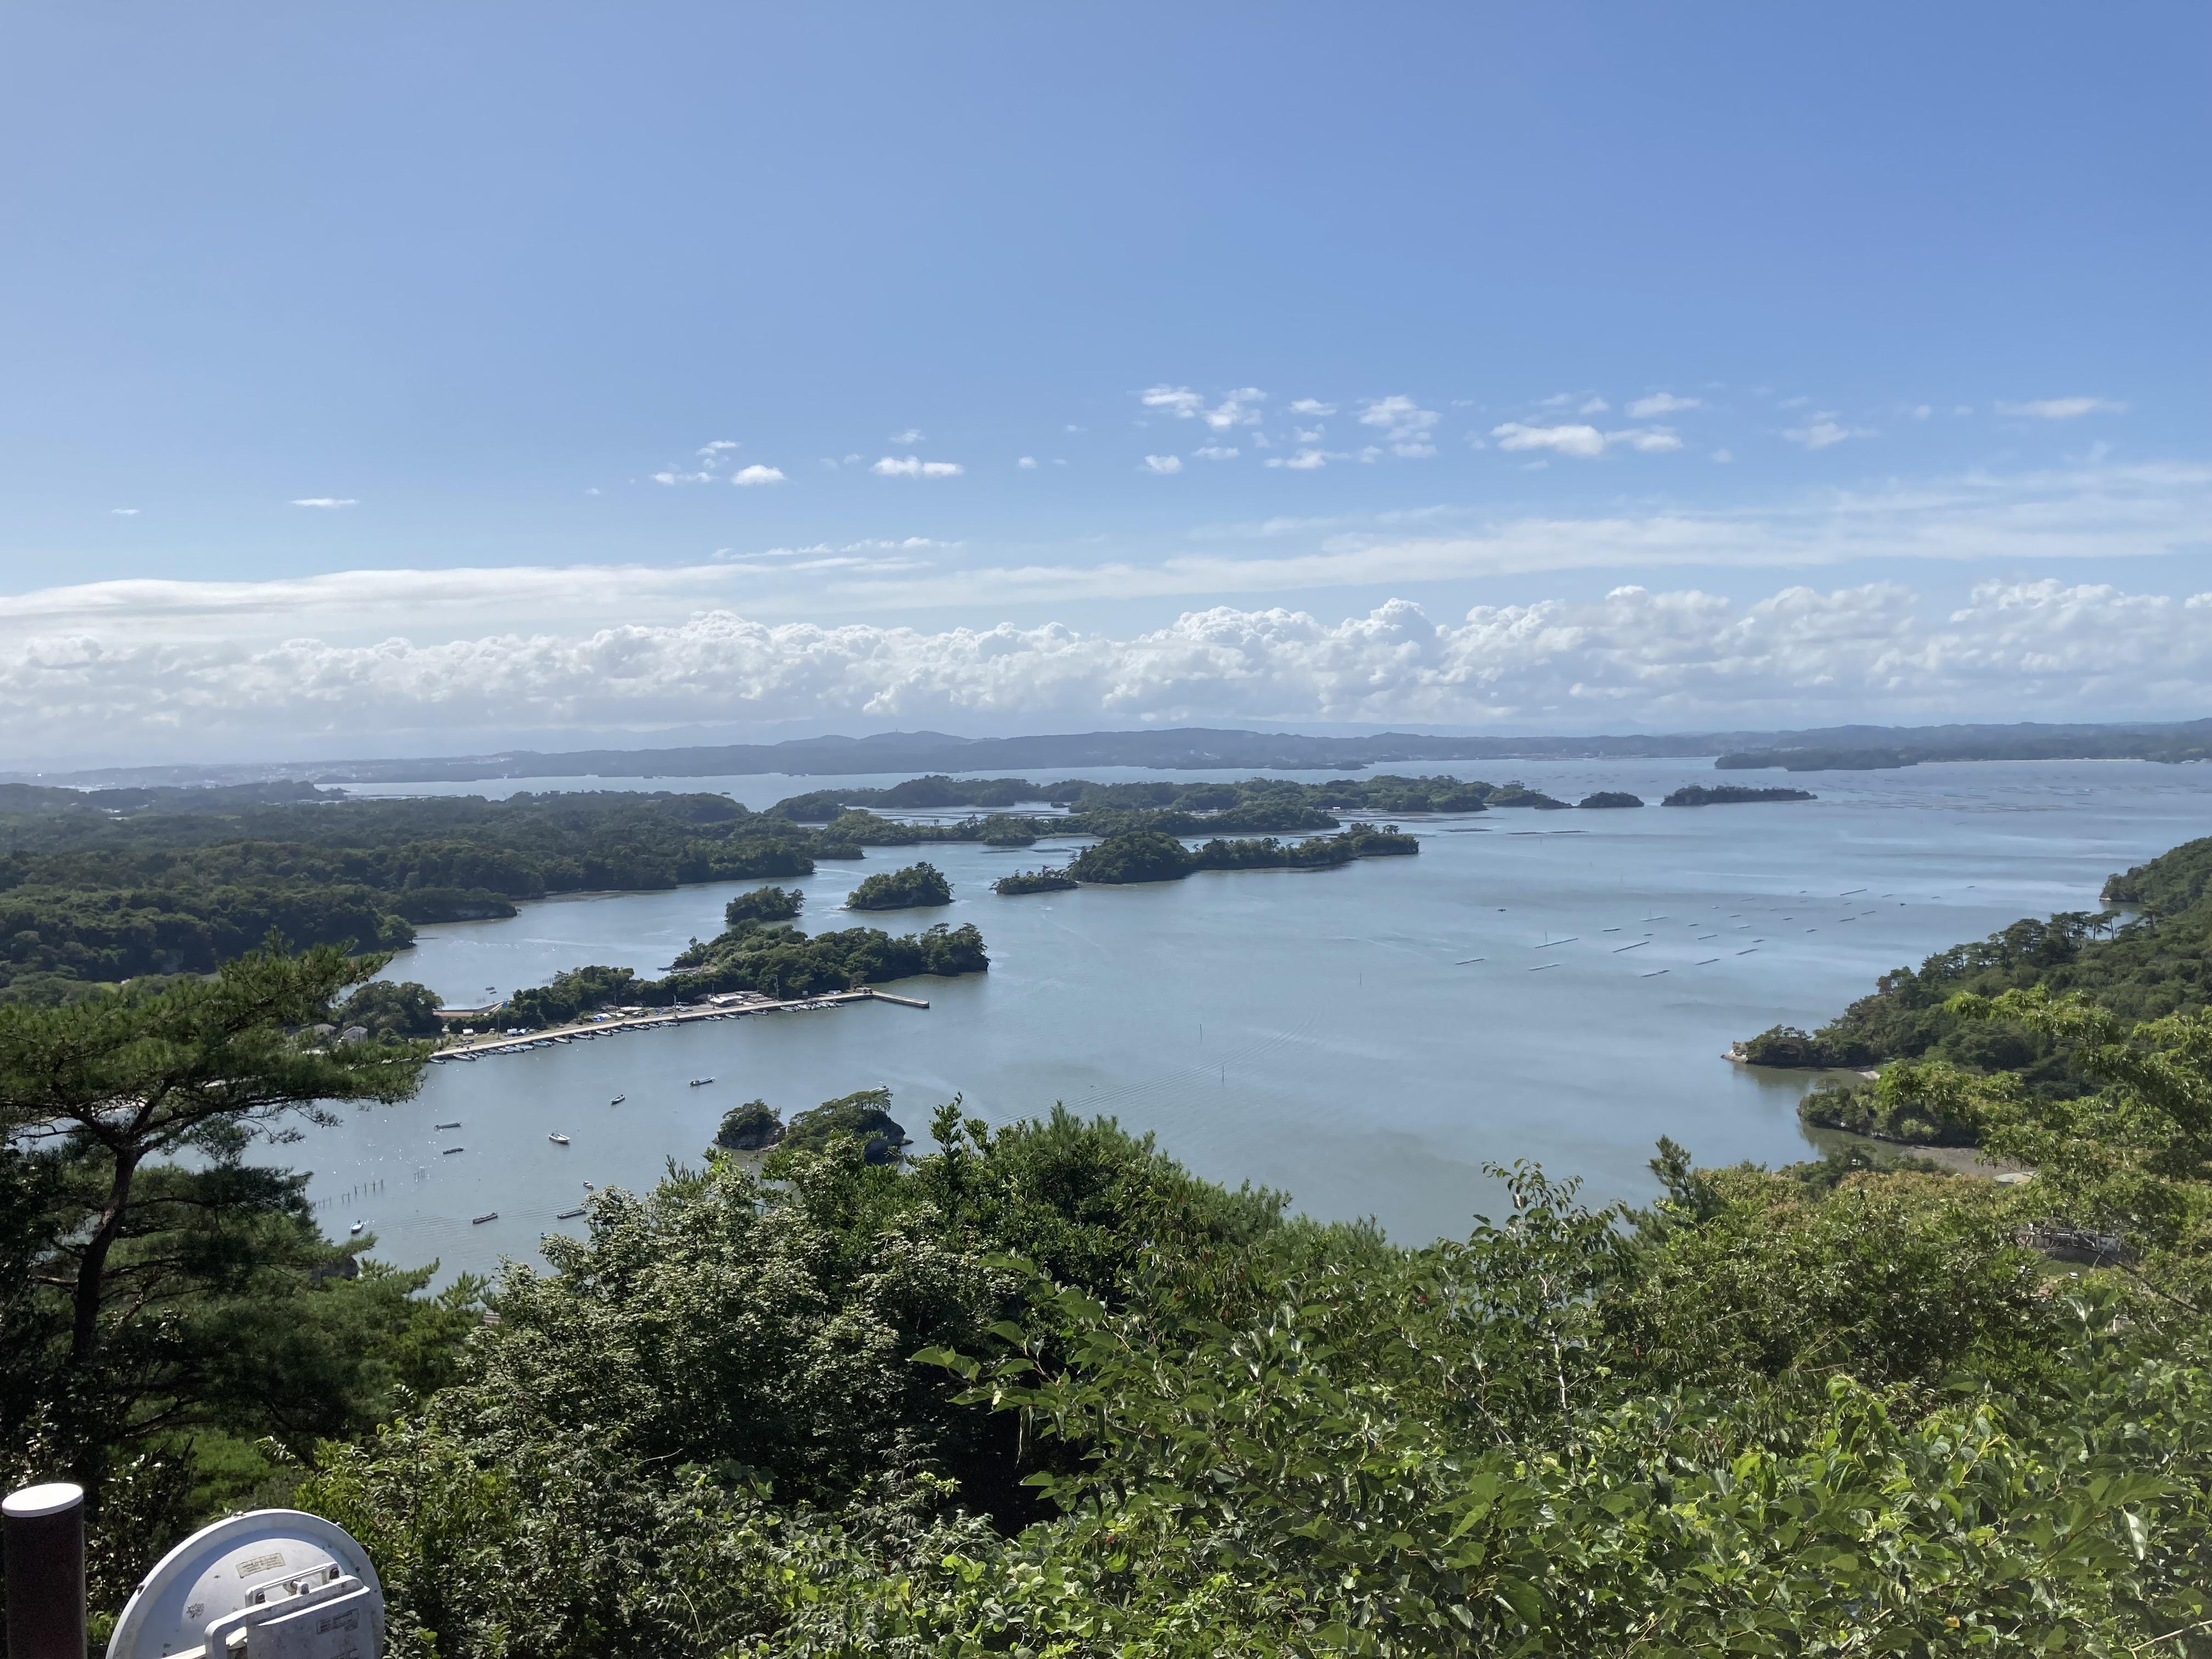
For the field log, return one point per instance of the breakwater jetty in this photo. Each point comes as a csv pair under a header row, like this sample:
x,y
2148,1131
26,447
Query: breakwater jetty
x,y
743,1005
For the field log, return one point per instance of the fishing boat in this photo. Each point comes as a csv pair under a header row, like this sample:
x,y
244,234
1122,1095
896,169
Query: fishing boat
x,y
558,1140
450,1150
700,1082
488,1215
617,1100
447,1126
357,1226
569,1215
589,1188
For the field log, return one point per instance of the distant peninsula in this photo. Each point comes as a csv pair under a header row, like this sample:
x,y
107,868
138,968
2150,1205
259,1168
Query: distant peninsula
x,y
1205,749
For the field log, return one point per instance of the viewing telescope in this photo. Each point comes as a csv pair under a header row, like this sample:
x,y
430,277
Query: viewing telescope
x,y
267,1584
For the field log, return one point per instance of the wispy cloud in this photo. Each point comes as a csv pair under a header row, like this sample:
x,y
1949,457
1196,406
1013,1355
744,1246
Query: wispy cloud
x,y
1163,464
1305,460
911,435
325,501
1312,406
746,478
1661,403
1584,442
1236,409
1215,453
123,512
1027,462
913,466
2062,409
1824,431
1403,423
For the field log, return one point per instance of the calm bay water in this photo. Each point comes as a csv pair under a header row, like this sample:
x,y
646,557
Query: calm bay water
x,y
1321,1032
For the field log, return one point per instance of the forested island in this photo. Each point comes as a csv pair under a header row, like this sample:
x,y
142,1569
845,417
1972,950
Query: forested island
x,y
1141,856
1041,1390
1046,880
1726,794
912,888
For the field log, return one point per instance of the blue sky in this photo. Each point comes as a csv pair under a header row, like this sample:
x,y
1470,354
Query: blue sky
x,y
1899,308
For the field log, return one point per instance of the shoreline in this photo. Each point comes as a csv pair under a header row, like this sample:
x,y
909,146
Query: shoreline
x,y
475,1048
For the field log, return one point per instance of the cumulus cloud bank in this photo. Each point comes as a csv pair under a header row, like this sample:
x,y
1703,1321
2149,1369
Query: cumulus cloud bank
x,y
1678,658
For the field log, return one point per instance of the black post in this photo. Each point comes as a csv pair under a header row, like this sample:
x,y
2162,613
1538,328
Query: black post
x,y
45,1529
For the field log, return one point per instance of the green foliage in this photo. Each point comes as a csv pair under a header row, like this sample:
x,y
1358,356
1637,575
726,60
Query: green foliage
x,y
750,1127
863,1117
390,1008
764,904
899,889
1609,798
1863,1109
1034,881
1139,855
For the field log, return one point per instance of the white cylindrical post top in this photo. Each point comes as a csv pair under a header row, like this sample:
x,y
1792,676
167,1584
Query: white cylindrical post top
x,y
28,1502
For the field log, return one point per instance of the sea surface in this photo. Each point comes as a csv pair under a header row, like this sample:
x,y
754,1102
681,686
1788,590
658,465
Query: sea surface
x,y
1558,987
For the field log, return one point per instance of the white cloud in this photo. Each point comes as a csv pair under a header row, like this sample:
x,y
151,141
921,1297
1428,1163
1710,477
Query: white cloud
x,y
1306,460
1303,435
1163,464
2062,409
1312,406
1215,453
1583,440
1595,406
1661,403
911,435
1648,440
715,448
1680,660
1238,407
1176,399
1403,423
668,477
1921,411
325,501
913,466
1722,455
1027,462
1822,430
123,512
748,477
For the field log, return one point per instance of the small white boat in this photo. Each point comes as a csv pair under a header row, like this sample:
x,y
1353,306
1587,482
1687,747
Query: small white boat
x,y
558,1140
357,1226
589,1188
617,1100
700,1082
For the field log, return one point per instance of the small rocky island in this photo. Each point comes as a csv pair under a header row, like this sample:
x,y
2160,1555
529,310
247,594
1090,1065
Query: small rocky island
x,y
916,886
1609,798
751,1127
1728,794
1034,881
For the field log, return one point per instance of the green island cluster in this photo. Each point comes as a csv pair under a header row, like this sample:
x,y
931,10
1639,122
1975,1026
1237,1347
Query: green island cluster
x,y
1040,1390
101,886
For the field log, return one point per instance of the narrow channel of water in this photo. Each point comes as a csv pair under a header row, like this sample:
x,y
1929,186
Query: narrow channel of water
x,y
1323,1032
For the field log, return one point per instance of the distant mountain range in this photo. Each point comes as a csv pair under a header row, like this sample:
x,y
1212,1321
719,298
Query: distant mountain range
x,y
1841,748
